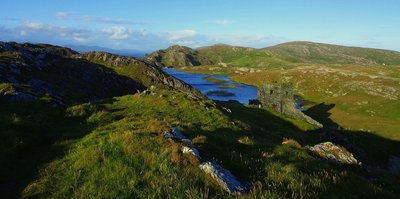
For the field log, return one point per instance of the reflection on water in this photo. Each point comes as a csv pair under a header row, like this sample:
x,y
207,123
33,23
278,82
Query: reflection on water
x,y
223,90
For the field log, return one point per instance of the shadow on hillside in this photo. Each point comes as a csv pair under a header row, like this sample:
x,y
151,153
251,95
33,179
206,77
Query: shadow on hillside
x,y
267,132
83,81
320,113
31,135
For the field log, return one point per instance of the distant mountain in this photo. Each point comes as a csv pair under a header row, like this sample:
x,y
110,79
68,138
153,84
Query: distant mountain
x,y
123,52
279,55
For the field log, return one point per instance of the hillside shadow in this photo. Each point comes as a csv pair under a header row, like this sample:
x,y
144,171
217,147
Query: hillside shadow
x,y
267,131
31,135
320,113
73,80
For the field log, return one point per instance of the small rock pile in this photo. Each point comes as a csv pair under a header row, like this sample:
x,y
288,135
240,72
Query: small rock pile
x,y
221,175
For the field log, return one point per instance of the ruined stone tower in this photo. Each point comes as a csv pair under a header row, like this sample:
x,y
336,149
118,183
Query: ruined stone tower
x,y
280,97
274,95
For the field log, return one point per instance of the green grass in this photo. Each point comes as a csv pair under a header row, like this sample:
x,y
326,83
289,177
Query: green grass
x,y
214,80
122,153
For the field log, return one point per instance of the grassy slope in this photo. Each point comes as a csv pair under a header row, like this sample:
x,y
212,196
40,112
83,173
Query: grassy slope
x,y
284,55
362,98
240,56
309,52
118,151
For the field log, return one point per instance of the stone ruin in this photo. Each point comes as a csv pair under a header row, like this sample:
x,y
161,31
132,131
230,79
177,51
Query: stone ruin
x,y
280,97
274,96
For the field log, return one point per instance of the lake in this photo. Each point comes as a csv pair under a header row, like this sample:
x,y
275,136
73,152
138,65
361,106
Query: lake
x,y
216,87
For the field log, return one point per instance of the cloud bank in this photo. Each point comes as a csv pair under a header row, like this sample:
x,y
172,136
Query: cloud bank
x,y
118,34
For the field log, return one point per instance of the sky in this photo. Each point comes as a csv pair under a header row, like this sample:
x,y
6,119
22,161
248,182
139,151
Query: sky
x,y
156,24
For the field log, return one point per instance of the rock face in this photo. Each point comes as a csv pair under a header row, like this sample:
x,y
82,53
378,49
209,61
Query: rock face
x,y
177,56
334,153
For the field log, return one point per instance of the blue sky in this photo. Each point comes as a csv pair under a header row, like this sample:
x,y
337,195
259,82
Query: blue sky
x,y
150,25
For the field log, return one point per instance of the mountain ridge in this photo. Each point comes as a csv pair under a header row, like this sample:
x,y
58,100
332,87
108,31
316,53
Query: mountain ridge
x,y
281,54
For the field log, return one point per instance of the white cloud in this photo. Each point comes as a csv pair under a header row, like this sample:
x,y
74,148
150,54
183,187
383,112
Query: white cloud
x,y
117,32
35,30
180,34
34,26
62,15
124,37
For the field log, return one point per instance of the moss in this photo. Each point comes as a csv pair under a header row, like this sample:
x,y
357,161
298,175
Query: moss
x,y
7,87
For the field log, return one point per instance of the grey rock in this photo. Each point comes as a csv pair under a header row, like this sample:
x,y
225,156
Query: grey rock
x,y
223,177
174,133
191,150
334,153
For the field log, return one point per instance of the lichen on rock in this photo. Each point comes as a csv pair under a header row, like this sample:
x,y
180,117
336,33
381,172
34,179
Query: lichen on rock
x,y
334,153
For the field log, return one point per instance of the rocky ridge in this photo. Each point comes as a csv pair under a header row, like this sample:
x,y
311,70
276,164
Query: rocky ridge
x,y
35,71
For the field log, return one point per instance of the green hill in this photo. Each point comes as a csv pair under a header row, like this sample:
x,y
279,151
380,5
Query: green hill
x,y
275,56
177,56
309,52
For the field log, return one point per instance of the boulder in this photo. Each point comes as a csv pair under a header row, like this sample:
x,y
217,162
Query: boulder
x,y
192,151
223,177
174,133
334,153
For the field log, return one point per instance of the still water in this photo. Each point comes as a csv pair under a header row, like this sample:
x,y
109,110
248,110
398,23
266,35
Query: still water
x,y
217,87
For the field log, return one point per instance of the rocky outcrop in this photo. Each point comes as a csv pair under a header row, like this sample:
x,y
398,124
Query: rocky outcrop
x,y
144,71
192,151
66,76
222,176
334,153
53,72
177,56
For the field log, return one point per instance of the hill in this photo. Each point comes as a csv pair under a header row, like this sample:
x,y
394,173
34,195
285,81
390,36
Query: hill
x,y
177,56
62,75
276,56
309,52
